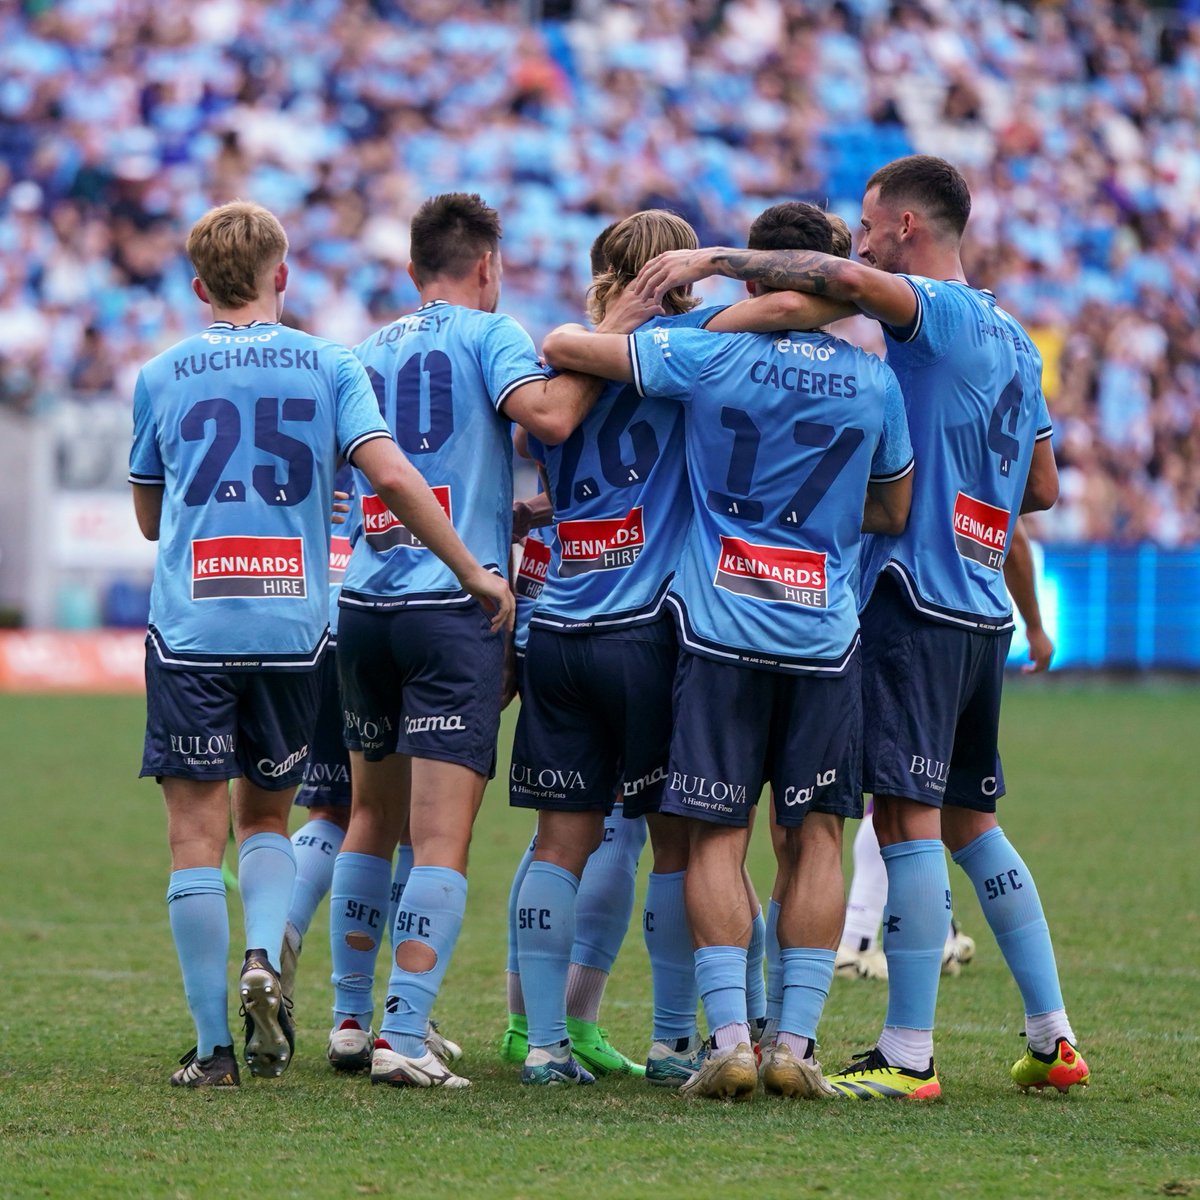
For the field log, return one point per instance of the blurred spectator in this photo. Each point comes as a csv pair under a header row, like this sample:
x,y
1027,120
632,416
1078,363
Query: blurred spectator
x,y
122,120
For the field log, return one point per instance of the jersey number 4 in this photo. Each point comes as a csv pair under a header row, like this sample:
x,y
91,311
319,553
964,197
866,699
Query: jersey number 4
x,y
226,422
839,447
1002,427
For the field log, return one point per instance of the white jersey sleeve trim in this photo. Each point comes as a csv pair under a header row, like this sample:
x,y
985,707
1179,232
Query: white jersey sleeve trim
x,y
635,365
509,388
918,320
349,450
892,476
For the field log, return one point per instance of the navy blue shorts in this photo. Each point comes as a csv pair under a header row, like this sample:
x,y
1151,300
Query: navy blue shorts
x,y
326,779
595,715
219,725
422,682
931,706
738,727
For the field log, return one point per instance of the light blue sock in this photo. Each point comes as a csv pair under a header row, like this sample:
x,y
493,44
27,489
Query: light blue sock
x,y
200,927
315,845
404,866
721,978
807,974
756,984
357,907
672,960
1010,902
266,879
774,965
545,934
605,901
431,913
514,892
915,922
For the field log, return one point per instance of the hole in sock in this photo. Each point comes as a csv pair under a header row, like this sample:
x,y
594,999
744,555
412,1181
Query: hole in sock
x,y
359,939
416,957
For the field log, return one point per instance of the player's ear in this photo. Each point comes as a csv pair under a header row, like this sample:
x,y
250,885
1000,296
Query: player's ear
x,y
281,277
751,287
908,224
412,274
486,267
201,292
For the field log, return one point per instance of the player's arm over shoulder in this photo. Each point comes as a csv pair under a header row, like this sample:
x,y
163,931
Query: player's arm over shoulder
x,y
879,294
549,406
572,347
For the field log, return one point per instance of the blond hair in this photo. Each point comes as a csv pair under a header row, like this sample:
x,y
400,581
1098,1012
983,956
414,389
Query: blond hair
x,y
841,235
230,248
630,245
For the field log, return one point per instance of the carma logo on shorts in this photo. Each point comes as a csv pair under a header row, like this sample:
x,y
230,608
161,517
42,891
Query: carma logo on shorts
x,y
439,723
772,573
262,567
274,770
385,531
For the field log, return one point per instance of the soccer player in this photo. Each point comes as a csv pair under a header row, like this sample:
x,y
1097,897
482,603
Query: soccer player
x,y
606,887
860,956
325,784
938,623
236,435
788,439
598,672
420,670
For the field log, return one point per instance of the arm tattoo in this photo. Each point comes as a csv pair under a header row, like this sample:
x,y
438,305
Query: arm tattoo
x,y
788,270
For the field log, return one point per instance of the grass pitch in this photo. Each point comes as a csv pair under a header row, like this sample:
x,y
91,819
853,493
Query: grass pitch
x,y
1102,803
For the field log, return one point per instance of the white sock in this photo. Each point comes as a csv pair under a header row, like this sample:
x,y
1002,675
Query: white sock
x,y
802,1047
728,1037
868,890
1043,1031
910,1048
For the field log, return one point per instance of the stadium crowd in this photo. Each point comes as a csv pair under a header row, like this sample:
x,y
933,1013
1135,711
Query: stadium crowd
x,y
1074,123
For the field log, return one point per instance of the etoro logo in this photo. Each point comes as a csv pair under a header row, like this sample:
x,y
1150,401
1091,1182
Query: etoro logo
x,y
384,530
980,531
604,545
535,565
262,567
775,573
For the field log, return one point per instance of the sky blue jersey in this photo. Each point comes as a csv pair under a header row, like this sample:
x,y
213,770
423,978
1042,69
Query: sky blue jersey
x,y
441,375
972,383
783,434
243,426
621,507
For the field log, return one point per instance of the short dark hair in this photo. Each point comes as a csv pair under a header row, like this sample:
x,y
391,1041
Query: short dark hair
x,y
598,253
792,225
928,183
450,233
